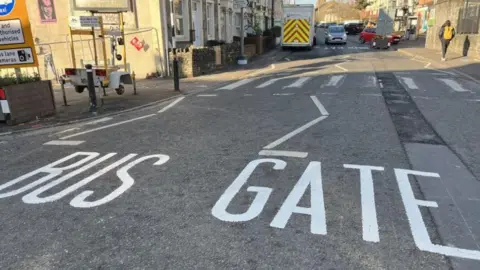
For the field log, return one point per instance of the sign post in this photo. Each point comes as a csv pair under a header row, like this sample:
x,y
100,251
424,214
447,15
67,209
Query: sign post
x,y
17,49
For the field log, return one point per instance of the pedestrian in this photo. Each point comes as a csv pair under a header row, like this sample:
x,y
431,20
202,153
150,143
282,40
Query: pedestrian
x,y
447,33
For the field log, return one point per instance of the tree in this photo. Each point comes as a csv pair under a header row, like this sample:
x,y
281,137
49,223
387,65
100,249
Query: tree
x,y
361,4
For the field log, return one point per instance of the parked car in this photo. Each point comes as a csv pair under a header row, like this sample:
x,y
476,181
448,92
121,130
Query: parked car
x,y
353,28
369,33
335,34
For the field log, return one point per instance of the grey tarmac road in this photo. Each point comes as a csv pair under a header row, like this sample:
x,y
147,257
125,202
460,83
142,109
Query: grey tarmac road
x,y
339,158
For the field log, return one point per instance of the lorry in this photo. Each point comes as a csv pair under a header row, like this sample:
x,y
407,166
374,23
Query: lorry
x,y
383,38
298,26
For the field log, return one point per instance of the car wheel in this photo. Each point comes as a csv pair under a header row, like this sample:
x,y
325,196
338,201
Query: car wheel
x,y
79,89
120,90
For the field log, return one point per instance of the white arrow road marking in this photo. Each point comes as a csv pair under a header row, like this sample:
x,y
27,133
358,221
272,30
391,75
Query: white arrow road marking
x,y
267,83
236,84
409,82
298,83
283,153
58,142
454,85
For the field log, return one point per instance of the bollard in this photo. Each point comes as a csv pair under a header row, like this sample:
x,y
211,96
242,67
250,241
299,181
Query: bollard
x,y
176,76
62,85
91,89
134,83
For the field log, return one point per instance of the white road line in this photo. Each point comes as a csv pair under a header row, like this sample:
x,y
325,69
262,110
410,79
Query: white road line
x,y
328,93
340,67
58,142
101,120
5,133
298,83
65,131
283,153
454,85
319,105
334,80
427,65
207,95
236,84
371,81
267,83
371,95
107,126
381,84
171,104
410,83
283,94
295,132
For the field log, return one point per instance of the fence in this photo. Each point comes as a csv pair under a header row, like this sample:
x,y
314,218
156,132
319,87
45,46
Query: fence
x,y
469,20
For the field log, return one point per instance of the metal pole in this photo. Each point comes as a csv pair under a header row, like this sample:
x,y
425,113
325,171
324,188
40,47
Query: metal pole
x,y
91,89
62,85
242,32
273,12
134,83
18,75
176,75
122,29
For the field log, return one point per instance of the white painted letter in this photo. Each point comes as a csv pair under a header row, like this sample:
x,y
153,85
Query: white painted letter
x,y
127,182
312,176
369,211
417,225
220,209
50,170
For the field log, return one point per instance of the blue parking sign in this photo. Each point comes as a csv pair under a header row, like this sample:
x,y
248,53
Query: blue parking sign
x,y
6,6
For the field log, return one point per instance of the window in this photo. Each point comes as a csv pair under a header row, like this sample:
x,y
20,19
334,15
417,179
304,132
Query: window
x,y
469,20
238,18
210,21
177,7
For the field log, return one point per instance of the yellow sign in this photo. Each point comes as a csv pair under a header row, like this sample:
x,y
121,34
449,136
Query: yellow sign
x,y
16,42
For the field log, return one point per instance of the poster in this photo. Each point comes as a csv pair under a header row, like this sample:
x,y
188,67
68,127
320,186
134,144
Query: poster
x,y
47,11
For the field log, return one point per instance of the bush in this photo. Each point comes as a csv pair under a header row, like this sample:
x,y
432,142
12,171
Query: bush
x,y
277,31
10,79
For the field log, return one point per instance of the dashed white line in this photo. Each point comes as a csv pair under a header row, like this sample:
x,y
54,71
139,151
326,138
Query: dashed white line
x,y
207,95
454,85
60,142
283,94
267,83
236,84
298,83
171,104
283,153
319,105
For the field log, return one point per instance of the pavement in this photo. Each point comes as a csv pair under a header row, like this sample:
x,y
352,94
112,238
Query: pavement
x,y
341,157
149,92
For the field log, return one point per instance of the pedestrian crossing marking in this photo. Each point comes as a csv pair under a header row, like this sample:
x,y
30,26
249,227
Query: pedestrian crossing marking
x,y
298,83
410,83
454,85
236,84
267,83
334,80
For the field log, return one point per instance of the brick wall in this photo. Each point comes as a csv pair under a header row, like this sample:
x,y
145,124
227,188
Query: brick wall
x,y
195,62
29,101
449,10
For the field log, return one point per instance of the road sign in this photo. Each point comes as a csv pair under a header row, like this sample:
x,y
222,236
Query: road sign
x,y
240,3
17,56
84,21
17,48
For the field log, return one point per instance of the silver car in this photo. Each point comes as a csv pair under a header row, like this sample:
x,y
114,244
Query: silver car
x,y
335,34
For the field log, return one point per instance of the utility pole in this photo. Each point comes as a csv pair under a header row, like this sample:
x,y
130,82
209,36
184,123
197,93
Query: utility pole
x,y
242,31
273,13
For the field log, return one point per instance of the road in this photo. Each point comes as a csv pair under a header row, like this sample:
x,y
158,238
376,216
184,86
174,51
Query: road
x,y
337,158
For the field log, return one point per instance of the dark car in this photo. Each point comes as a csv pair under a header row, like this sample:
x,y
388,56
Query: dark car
x,y
353,28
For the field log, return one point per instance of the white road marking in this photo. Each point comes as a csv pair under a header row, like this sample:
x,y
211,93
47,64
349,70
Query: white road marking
x,y
298,83
381,85
108,126
319,105
454,85
340,67
101,120
371,81
283,153
328,93
283,94
248,95
311,177
427,65
3,142
5,133
171,104
417,225
236,84
367,194
59,142
64,131
334,80
267,83
410,83
207,95
295,132
371,95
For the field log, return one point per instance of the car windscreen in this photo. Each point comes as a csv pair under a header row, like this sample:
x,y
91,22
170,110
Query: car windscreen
x,y
336,29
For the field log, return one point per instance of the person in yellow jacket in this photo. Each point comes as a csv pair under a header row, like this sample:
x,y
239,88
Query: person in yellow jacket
x,y
447,33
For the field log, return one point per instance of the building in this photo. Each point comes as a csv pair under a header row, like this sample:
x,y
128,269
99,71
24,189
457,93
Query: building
x,y
154,25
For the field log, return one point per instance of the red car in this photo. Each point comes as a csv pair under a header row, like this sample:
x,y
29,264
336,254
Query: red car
x,y
369,33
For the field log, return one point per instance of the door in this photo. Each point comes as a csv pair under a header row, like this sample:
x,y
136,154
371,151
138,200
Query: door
x,y
197,23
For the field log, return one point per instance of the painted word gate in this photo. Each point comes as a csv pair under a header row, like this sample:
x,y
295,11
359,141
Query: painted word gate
x,y
59,169
312,177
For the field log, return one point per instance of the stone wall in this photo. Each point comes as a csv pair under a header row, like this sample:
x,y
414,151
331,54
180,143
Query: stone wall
x,y
195,62
29,101
449,10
